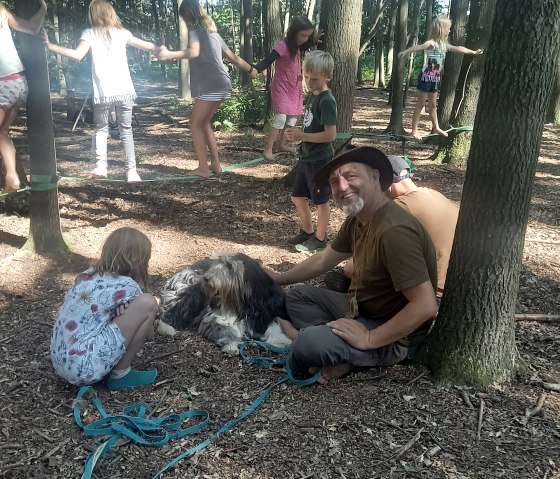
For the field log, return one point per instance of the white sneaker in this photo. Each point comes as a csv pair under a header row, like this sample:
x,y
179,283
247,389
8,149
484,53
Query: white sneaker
x,y
99,173
132,176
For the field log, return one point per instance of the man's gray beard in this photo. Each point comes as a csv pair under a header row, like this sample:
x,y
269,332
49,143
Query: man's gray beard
x,y
354,209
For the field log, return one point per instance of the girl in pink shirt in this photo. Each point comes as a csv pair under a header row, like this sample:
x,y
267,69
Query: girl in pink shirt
x,y
286,87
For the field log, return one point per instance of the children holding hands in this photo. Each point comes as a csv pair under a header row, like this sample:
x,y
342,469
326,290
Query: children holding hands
x,y
435,50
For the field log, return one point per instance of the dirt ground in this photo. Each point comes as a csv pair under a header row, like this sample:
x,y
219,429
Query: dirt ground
x,y
384,423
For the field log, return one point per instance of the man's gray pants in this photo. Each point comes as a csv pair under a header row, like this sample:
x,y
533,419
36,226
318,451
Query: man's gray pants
x,y
309,309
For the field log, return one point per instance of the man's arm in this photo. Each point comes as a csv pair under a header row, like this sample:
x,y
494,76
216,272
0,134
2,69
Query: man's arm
x,y
313,266
421,307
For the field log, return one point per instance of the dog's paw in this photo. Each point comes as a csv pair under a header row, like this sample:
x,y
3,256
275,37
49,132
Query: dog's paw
x,y
165,329
231,349
275,337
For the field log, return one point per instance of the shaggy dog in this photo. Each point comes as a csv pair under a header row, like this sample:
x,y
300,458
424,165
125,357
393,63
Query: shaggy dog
x,y
227,297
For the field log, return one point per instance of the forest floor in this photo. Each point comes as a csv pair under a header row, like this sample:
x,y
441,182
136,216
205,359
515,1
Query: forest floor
x,y
383,423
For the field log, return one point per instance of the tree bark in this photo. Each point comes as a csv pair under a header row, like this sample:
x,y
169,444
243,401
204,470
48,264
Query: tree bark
x,y
61,62
412,40
452,65
429,18
377,16
159,36
397,78
473,341
342,41
391,36
45,235
553,115
184,71
379,79
246,33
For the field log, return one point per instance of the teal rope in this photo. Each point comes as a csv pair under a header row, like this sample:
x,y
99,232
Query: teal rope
x,y
133,424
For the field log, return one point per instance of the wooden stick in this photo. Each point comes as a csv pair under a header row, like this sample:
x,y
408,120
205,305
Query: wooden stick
x,y
551,387
480,416
529,413
544,318
409,444
164,355
466,399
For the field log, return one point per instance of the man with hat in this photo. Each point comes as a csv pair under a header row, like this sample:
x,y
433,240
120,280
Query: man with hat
x,y
436,213
391,301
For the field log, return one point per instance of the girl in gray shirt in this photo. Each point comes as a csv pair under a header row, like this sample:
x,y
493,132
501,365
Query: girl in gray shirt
x,y
210,81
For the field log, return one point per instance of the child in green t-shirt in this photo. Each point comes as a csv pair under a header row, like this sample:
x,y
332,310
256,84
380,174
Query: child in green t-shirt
x,y
316,137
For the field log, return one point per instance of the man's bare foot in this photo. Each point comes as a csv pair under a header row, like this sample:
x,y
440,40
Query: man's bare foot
x,y
205,174
288,328
11,184
416,135
330,373
286,148
268,155
439,131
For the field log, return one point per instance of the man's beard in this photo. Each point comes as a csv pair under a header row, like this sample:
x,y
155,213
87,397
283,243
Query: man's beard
x,y
353,210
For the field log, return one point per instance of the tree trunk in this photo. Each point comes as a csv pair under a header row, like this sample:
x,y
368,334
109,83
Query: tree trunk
x,y
412,40
61,62
184,72
429,18
379,79
397,78
455,148
246,34
159,36
342,41
377,16
391,40
473,341
452,65
45,235
553,115
272,21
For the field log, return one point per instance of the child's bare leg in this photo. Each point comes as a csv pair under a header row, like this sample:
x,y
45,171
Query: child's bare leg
x,y
432,109
284,145
199,121
420,100
137,326
304,213
323,217
7,149
211,141
271,139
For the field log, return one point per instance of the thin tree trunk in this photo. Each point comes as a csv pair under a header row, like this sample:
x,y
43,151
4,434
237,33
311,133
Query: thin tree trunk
x,y
45,235
184,67
160,39
473,342
342,41
413,40
397,78
233,29
429,18
379,80
61,62
553,115
455,148
391,35
377,16
246,48
452,65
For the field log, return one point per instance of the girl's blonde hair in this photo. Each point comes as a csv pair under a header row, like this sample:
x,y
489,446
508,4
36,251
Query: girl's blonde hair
x,y
102,18
439,27
196,17
126,252
3,14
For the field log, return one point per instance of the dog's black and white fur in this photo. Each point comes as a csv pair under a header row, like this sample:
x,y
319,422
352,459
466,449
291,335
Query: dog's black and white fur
x,y
227,297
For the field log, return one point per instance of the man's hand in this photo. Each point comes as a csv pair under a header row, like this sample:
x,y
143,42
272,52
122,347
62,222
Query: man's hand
x,y
352,331
294,134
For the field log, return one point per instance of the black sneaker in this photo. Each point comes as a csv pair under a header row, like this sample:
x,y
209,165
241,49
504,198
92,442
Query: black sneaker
x,y
312,245
301,237
336,281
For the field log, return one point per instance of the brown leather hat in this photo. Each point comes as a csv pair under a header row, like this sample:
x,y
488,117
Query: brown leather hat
x,y
367,155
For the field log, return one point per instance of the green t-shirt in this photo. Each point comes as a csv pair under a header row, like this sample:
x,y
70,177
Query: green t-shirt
x,y
320,111
391,253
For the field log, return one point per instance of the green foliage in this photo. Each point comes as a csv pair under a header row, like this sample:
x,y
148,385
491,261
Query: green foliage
x,y
246,107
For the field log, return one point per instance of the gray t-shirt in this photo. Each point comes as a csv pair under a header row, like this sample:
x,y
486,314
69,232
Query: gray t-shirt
x,y
208,72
